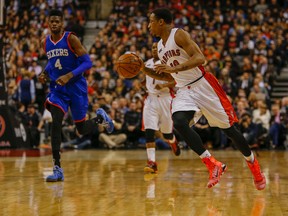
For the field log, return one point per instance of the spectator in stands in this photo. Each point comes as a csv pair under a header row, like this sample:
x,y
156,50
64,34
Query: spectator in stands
x,y
114,140
132,125
203,129
241,108
245,82
262,115
40,89
234,29
74,25
33,119
26,89
68,128
45,123
275,126
249,129
12,95
79,142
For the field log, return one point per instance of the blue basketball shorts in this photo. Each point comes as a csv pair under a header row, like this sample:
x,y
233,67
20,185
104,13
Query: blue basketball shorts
x,y
73,95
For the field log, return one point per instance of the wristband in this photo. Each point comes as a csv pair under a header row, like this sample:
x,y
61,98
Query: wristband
x,y
85,64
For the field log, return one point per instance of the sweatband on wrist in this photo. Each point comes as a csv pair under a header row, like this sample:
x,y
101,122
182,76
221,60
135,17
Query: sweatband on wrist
x,y
85,64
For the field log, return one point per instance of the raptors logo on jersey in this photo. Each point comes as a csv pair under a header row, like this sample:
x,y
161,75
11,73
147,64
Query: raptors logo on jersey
x,y
170,53
173,55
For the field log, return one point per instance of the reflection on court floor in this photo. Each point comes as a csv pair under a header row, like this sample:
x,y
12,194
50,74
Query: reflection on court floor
x,y
113,183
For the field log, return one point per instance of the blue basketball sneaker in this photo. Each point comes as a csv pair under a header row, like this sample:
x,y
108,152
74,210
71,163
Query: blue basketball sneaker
x,y
56,176
107,122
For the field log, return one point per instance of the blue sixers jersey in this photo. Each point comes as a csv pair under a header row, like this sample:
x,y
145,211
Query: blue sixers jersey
x,y
73,94
61,58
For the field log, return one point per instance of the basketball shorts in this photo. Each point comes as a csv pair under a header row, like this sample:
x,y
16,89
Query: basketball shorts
x,y
207,98
73,95
157,113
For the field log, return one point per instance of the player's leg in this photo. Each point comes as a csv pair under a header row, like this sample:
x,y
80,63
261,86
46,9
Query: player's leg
x,y
56,127
151,124
172,141
237,137
151,166
86,126
220,112
107,122
79,106
166,123
181,121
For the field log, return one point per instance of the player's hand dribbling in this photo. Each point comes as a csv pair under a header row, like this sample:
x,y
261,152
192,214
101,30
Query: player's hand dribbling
x,y
163,68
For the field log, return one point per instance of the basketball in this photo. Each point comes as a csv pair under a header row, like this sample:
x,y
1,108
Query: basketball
x,y
128,65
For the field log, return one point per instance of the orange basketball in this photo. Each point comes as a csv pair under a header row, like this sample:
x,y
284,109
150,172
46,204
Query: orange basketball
x,y
128,65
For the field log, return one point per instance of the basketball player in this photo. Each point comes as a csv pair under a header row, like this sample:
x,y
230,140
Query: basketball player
x,y
199,93
67,60
157,113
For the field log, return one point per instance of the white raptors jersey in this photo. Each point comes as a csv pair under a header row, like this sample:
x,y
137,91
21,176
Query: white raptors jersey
x,y
151,82
173,55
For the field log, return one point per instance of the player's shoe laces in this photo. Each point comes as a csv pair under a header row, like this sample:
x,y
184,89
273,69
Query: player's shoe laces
x,y
216,169
56,176
151,167
107,121
175,147
259,178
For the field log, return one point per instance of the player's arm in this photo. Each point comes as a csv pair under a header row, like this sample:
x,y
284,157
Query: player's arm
x,y
169,84
196,59
152,73
159,76
183,39
83,58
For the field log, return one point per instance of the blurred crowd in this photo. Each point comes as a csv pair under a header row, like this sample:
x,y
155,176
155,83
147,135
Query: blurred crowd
x,y
245,44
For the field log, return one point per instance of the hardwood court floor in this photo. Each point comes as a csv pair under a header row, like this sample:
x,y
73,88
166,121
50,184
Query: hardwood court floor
x,y
113,183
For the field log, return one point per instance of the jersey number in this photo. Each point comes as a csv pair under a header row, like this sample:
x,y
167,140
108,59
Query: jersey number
x,y
174,64
58,64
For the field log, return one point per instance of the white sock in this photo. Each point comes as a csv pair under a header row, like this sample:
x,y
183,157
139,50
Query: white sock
x,y
151,154
205,154
250,158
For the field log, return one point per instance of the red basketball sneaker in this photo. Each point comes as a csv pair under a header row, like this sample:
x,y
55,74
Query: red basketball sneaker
x,y
151,167
216,169
174,146
259,178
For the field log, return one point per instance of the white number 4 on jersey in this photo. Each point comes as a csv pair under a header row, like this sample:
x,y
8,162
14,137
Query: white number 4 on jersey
x,y
58,64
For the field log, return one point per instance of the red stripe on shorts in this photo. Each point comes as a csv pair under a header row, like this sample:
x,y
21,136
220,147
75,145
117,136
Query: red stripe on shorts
x,y
222,97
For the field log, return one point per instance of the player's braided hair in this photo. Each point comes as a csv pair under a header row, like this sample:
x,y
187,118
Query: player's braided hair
x,y
163,13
